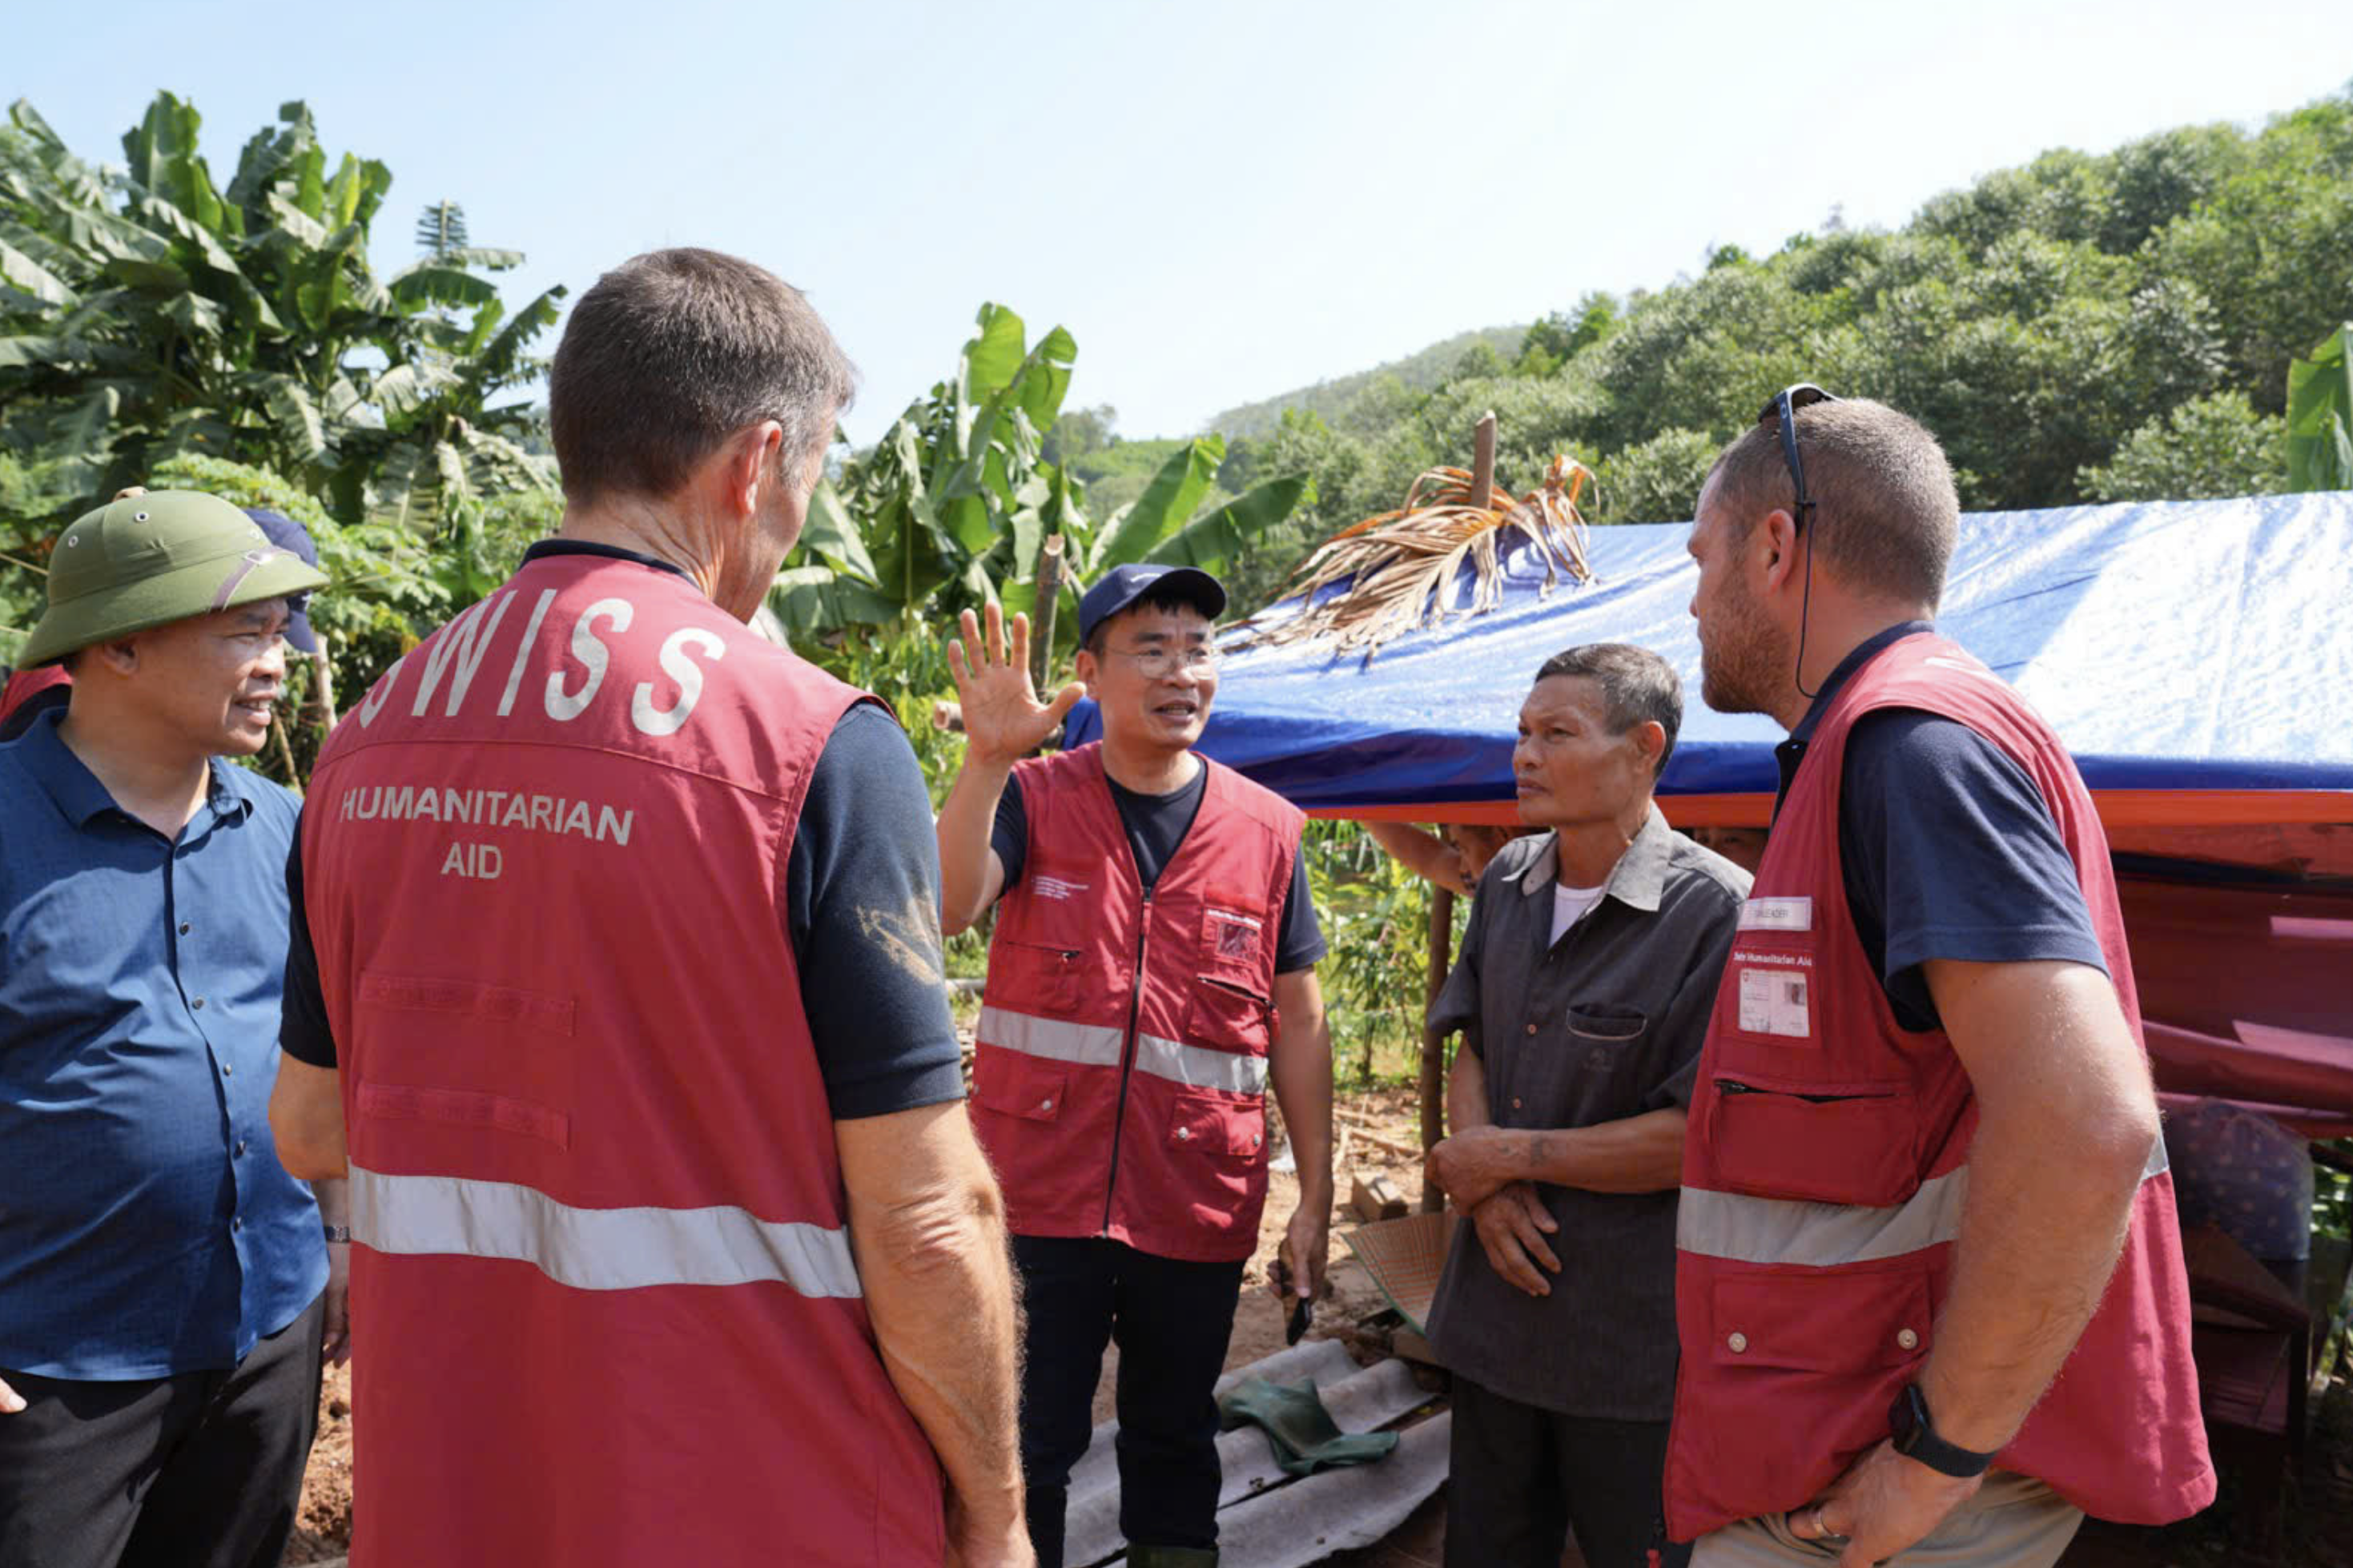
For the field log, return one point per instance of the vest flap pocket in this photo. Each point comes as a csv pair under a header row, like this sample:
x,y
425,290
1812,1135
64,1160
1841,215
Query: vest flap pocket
x,y
1230,1015
1837,1144
1828,1320
1216,1126
1013,1084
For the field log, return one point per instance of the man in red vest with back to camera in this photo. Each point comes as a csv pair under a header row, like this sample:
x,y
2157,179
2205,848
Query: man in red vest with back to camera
x,y
617,967
1152,970
1929,1281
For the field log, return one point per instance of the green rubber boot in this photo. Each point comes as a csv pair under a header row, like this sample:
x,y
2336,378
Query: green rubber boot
x,y
1172,1557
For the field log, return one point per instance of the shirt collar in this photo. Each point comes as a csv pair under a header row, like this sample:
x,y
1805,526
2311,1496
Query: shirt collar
x,y
1864,653
553,547
80,798
1637,879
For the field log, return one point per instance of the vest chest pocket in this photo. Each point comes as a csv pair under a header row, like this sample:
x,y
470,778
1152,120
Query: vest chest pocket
x,y
1052,971
1833,1143
1230,1016
1234,934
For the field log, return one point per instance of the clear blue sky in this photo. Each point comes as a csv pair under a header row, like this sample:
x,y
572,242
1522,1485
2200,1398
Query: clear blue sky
x,y
1220,201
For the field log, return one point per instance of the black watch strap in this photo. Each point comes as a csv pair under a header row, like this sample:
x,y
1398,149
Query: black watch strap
x,y
1915,1438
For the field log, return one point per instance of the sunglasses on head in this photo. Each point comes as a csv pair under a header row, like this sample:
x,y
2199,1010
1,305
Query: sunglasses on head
x,y
1783,410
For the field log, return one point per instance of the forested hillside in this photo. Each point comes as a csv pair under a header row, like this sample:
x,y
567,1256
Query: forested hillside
x,y
2105,326
1432,367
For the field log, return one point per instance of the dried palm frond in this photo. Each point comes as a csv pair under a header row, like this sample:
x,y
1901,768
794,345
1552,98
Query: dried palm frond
x,y
1395,574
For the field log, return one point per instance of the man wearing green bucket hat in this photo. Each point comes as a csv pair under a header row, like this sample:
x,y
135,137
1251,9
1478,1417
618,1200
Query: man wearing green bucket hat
x,y
164,1287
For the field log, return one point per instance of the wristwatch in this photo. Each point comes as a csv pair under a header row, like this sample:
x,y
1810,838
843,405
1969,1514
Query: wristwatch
x,y
1915,1438
339,1232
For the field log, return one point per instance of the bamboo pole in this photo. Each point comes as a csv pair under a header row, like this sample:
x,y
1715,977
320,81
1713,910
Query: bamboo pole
x,y
1433,1038
1483,462
1041,623
1441,899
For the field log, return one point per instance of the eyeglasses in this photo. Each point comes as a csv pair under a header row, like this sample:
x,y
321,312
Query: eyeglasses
x,y
1158,664
1783,410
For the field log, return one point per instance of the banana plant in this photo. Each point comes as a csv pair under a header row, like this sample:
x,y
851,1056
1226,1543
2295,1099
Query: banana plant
x,y
145,311
951,509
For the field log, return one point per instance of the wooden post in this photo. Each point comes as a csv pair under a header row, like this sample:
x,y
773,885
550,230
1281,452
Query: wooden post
x,y
1433,1038
1441,899
1041,625
1483,461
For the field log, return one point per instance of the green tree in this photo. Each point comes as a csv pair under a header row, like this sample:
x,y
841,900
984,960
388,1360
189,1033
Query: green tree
x,y
150,312
2209,447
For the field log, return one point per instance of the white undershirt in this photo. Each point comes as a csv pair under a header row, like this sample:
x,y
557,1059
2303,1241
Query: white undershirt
x,y
1570,904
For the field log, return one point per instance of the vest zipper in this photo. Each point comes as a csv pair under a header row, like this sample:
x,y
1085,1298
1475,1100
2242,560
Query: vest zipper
x,y
1127,1052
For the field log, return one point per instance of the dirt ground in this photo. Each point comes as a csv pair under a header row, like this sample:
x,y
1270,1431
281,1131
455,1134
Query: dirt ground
x,y
2318,1526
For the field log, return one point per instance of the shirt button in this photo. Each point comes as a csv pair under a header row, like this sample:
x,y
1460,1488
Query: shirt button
x,y
1045,1105
1907,1339
1532,1028
1738,1342
237,1225
1184,1134
240,1146
1516,1102
228,1069
196,1006
184,928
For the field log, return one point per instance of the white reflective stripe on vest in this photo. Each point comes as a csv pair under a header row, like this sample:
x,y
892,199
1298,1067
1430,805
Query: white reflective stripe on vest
x,y
1823,1236
597,1249
1096,1045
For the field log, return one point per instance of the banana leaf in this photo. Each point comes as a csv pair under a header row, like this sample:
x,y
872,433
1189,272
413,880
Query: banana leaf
x,y
1165,505
2320,417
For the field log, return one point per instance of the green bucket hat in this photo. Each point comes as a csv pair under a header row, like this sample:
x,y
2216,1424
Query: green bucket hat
x,y
144,561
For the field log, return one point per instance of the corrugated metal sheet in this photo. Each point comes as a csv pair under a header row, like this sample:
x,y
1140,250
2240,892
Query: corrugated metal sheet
x,y
1266,1519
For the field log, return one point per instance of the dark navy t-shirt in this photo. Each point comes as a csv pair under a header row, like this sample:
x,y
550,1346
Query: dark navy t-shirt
x,y
1157,825
1948,850
884,1038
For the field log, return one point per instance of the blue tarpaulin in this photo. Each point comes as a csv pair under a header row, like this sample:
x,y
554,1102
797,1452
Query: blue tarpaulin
x,y
2175,645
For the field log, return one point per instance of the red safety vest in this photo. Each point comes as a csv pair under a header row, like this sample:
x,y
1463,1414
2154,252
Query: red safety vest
x,y
1119,1084
1826,1166
25,684
605,1304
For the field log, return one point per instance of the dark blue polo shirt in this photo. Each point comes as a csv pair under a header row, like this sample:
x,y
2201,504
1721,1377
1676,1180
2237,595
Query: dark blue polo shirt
x,y
1948,848
146,1226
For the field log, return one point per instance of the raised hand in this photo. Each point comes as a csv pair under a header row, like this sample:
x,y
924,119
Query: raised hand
x,y
1003,719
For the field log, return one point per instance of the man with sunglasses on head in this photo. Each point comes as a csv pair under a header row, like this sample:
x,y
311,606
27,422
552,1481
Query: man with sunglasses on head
x,y
1151,971
1930,1289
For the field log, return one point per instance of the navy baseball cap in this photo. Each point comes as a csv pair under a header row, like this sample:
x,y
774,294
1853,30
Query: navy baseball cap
x,y
1123,585
288,534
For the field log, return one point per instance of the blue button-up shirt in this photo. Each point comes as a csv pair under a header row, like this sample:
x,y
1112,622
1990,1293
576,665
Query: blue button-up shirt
x,y
146,1226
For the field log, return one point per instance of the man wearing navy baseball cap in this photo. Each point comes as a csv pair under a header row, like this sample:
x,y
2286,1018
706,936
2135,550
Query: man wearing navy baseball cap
x,y
1151,973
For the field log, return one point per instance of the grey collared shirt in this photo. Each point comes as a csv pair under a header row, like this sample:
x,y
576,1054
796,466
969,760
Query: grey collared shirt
x,y
1604,1024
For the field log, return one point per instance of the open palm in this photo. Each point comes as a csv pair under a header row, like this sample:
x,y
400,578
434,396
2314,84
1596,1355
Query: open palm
x,y
1003,719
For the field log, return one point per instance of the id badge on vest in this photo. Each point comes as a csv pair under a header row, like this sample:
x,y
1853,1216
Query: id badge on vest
x,y
1773,969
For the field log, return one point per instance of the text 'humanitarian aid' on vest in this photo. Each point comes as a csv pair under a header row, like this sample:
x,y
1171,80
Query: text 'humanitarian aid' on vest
x,y
446,666
494,808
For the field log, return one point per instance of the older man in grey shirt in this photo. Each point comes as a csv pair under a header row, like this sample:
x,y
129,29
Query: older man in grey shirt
x,y
1583,994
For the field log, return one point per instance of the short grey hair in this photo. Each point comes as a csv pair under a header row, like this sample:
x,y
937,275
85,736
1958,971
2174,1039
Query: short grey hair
x,y
1886,516
672,353
1637,687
